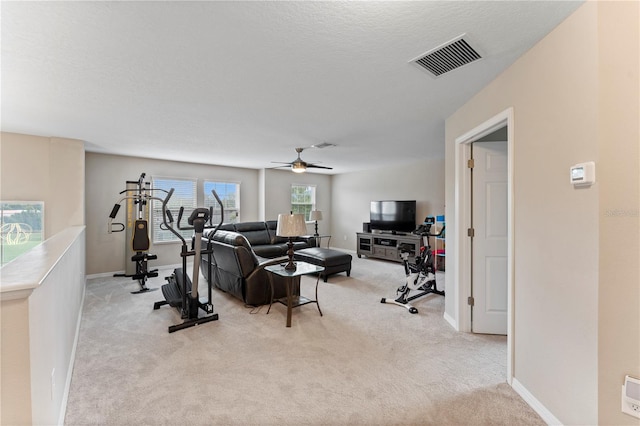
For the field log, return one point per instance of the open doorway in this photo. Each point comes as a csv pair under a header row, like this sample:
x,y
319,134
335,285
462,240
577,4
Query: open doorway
x,y
463,221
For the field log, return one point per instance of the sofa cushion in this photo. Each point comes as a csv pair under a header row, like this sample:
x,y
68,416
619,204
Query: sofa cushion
x,y
270,250
298,245
231,238
323,257
272,226
227,227
255,232
244,254
333,261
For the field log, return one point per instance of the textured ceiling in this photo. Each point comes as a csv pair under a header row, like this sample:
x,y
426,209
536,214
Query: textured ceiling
x,y
244,83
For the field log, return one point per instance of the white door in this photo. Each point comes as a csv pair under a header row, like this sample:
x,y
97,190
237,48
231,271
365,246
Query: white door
x,y
489,244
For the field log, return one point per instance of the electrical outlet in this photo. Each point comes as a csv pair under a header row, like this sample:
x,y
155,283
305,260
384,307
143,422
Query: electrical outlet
x,y
345,237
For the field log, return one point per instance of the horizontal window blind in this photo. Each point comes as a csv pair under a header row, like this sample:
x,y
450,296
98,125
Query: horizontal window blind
x,y
303,199
229,193
184,195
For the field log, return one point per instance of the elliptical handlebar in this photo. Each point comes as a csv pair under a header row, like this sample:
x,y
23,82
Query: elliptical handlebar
x,y
166,212
215,195
193,219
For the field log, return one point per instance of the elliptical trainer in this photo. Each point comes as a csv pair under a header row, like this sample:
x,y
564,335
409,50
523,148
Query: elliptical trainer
x,y
180,292
421,274
138,194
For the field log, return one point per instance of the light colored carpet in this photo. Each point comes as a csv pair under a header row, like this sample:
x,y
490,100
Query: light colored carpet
x,y
362,363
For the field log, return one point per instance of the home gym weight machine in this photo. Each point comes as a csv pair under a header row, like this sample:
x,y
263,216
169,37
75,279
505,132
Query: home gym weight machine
x,y
181,292
138,195
421,276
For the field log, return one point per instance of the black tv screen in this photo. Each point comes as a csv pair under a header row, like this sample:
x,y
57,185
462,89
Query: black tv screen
x,y
393,215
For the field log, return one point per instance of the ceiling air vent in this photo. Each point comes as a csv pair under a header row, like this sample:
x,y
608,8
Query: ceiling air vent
x,y
323,145
447,57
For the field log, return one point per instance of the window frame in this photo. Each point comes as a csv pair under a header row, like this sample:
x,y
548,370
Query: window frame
x,y
314,199
174,205
16,241
208,200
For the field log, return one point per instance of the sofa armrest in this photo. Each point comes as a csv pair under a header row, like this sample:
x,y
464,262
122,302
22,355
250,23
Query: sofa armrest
x,y
309,239
263,261
258,283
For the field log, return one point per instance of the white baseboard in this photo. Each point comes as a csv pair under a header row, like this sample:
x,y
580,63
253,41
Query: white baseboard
x,y
103,275
451,321
111,274
533,402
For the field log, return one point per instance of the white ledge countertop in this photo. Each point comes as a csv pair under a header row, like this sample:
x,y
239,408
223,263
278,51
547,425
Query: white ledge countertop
x,y
24,274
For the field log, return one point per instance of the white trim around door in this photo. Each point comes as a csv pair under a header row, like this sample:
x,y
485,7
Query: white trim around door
x,y
462,213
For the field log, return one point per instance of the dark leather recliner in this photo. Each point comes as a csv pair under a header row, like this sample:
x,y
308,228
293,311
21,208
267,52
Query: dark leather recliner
x,y
238,271
263,239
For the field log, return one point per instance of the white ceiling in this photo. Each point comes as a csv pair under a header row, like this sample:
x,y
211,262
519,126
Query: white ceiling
x,y
244,83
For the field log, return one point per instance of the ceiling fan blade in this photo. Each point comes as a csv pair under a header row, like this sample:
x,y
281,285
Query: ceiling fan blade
x,y
299,165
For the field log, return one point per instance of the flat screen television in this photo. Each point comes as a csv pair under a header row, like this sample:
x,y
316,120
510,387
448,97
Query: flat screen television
x,y
393,215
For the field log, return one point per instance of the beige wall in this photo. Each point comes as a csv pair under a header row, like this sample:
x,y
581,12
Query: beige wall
x,y
263,194
106,176
38,338
45,169
422,181
278,195
556,94
619,207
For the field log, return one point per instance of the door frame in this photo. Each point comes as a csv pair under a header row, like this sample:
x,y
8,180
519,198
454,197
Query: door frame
x,y
462,219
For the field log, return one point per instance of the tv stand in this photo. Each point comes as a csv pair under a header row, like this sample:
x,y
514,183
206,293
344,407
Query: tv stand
x,y
387,245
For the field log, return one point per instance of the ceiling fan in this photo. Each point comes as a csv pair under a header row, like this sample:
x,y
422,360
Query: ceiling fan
x,y
300,166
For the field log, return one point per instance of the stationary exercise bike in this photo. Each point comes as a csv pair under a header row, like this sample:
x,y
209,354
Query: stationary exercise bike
x,y
421,278
138,195
181,292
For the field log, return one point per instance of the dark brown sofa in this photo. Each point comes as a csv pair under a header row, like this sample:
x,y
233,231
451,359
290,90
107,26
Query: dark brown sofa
x,y
240,253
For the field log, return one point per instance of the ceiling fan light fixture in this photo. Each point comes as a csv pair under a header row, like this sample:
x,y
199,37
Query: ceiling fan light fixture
x,y
298,167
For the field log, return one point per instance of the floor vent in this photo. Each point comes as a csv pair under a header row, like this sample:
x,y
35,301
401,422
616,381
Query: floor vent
x,y
447,57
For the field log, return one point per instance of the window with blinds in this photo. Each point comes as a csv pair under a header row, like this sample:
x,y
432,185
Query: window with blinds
x,y
303,199
229,193
184,195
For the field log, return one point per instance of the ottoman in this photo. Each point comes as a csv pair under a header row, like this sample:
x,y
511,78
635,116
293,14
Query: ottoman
x,y
333,261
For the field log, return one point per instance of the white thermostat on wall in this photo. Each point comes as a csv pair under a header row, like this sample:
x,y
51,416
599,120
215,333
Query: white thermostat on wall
x,y
631,396
583,174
